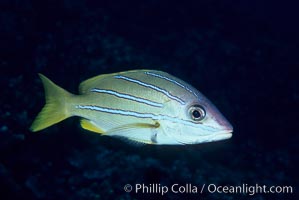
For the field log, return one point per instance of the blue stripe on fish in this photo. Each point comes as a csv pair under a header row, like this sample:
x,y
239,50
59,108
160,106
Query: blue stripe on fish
x,y
151,87
172,81
142,115
127,96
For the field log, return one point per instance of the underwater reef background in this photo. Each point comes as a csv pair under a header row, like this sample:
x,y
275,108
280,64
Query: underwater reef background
x,y
243,55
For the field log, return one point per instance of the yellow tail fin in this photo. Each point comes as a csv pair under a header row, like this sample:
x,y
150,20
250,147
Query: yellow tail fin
x,y
55,109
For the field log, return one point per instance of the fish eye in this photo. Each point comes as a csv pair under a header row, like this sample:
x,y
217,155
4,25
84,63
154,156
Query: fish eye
x,y
197,113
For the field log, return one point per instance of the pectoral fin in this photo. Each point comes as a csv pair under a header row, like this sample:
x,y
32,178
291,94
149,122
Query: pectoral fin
x,y
139,133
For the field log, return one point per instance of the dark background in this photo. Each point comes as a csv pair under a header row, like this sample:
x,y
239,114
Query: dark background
x,y
243,55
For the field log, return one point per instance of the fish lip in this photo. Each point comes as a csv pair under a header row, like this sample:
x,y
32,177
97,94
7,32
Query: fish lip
x,y
218,136
229,131
225,131
224,134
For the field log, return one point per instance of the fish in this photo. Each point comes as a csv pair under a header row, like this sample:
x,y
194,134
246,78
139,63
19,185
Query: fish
x,y
141,106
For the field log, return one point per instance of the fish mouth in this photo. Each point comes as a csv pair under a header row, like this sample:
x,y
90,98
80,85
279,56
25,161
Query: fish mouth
x,y
223,134
220,135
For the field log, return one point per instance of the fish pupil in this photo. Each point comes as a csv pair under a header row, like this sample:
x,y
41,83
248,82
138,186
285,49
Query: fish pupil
x,y
196,114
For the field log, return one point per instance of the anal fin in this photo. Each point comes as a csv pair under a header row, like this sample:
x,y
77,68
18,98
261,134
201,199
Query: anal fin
x,y
88,125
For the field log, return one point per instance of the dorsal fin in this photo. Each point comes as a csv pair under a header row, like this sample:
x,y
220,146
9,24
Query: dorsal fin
x,y
95,81
89,83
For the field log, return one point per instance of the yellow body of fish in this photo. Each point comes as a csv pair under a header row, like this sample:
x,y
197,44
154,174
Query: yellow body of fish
x,y
145,106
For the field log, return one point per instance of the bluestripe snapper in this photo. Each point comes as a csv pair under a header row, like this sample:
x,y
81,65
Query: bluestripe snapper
x,y
144,106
